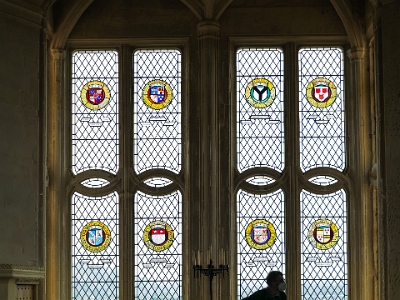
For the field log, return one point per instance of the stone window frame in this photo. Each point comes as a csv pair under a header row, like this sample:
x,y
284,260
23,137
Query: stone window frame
x,y
359,212
290,46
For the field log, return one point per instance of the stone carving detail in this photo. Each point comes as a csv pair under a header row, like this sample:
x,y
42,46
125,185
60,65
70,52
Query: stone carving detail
x,y
20,267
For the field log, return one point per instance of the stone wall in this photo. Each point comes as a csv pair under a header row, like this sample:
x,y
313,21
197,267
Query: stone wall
x,y
389,81
21,214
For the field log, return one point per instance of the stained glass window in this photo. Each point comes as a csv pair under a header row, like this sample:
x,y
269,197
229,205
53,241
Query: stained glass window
x,y
261,232
324,246
95,251
322,144
157,145
95,147
158,246
260,143
321,89
157,106
95,135
260,131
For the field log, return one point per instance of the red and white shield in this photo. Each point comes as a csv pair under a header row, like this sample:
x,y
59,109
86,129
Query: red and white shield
x,y
260,234
158,235
95,95
320,235
321,93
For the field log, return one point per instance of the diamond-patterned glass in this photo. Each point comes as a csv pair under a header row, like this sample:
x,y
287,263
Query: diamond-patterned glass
x,y
158,258
260,130
254,264
95,250
95,135
157,110
324,246
322,128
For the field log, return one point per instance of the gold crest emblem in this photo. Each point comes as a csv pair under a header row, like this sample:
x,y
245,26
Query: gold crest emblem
x,y
260,93
323,234
158,236
321,92
95,236
95,95
260,234
157,94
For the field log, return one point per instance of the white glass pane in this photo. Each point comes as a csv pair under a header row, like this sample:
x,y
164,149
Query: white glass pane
x,y
261,240
158,182
95,182
321,96
260,130
323,180
324,246
95,247
95,143
260,180
158,246
157,110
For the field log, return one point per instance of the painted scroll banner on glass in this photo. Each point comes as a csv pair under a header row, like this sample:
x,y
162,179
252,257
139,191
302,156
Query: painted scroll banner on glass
x,y
95,111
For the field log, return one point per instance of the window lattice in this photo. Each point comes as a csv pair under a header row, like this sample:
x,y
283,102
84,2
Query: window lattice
x,y
158,246
260,134
95,136
321,92
261,242
324,246
157,106
95,247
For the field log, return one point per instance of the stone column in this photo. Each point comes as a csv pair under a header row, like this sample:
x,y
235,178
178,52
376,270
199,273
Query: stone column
x,y
208,35
54,167
362,266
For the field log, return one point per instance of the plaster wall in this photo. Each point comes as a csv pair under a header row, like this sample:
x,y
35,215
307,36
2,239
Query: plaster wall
x,y
390,74
20,143
155,18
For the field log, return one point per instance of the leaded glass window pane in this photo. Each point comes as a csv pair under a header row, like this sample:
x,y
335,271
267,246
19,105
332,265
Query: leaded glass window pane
x,y
321,95
260,134
324,246
158,246
261,241
157,110
95,247
95,136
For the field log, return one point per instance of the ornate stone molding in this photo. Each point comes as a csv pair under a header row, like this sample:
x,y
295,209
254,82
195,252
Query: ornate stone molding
x,y
20,267
68,23
22,11
351,22
356,53
208,28
211,9
22,274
